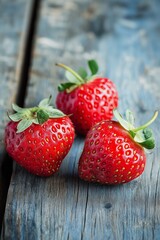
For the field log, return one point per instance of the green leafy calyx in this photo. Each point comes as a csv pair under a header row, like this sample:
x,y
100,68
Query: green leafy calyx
x,y
78,78
142,135
37,115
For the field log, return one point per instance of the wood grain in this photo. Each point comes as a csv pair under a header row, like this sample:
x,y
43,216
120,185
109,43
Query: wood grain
x,y
13,31
124,37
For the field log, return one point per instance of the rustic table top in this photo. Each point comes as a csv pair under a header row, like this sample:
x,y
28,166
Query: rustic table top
x,y
124,37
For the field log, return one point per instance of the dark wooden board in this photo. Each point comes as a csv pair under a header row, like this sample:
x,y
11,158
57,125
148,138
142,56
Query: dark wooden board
x,y
124,37
14,21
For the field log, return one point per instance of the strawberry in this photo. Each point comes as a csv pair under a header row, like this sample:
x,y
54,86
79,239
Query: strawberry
x,y
39,138
88,99
114,151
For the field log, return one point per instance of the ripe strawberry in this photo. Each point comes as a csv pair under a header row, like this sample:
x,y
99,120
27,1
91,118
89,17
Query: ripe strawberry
x,y
114,151
39,138
89,99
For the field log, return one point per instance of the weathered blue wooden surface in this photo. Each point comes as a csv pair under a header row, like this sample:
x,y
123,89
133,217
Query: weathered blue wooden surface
x,y
14,17
124,37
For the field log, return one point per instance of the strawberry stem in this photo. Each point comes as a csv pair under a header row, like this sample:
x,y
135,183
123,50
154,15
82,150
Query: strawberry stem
x,y
71,71
146,124
142,135
37,115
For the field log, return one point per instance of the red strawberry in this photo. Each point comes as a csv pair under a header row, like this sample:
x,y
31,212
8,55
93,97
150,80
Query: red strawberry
x,y
114,152
39,138
88,99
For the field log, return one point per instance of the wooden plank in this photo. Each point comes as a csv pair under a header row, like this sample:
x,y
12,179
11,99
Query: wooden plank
x,y
124,37
13,31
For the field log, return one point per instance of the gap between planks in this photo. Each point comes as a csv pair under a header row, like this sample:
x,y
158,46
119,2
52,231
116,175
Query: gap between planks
x,y
22,70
